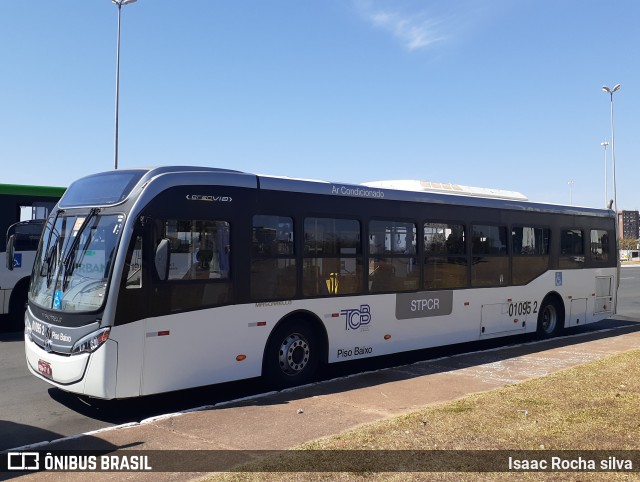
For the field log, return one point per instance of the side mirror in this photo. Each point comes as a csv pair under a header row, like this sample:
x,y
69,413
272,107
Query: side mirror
x,y
162,259
10,251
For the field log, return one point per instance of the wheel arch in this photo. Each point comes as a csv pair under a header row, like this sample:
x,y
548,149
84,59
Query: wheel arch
x,y
309,318
554,296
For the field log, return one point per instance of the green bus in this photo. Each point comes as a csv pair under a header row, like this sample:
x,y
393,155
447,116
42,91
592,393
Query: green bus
x,y
22,211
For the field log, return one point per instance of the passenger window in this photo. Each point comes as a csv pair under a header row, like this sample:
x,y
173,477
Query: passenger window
x,y
200,265
445,256
199,249
599,246
392,256
530,249
332,257
273,263
490,265
571,249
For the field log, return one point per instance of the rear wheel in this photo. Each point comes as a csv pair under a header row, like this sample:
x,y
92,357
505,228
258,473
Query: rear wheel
x,y
292,356
550,318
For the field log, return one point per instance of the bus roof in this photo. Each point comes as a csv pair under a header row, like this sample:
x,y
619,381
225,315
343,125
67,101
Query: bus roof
x,y
27,190
139,181
498,199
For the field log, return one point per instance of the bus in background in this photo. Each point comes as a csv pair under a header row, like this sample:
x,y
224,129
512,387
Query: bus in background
x,y
154,280
23,210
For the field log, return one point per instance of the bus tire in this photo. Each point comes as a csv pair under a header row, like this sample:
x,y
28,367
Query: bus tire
x,y
292,356
550,318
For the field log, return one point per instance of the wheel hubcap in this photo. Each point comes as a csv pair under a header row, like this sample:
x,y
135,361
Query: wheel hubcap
x,y
294,354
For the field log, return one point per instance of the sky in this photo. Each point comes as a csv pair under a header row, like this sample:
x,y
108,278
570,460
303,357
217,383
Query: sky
x,y
502,94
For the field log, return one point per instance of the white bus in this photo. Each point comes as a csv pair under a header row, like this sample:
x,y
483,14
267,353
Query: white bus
x,y
23,210
154,280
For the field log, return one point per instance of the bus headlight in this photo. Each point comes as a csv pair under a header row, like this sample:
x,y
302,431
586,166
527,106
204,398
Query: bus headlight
x,y
91,342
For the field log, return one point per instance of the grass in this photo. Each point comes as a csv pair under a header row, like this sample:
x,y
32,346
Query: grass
x,y
595,406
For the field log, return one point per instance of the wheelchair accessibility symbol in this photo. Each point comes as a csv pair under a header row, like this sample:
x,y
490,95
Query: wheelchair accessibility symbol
x,y
57,300
558,279
17,260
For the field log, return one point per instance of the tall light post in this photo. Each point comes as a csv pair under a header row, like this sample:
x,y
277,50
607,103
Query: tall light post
x,y
605,144
615,200
119,4
613,146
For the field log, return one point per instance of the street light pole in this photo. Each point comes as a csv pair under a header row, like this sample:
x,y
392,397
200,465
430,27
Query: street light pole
x,y
119,4
613,147
605,144
615,200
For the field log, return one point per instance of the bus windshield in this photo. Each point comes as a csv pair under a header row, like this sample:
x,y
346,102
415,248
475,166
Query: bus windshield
x,y
73,264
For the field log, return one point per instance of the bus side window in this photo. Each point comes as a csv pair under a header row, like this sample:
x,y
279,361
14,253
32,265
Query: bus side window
x,y
199,249
134,266
445,256
490,260
599,245
199,267
273,263
332,258
35,210
530,251
392,262
571,249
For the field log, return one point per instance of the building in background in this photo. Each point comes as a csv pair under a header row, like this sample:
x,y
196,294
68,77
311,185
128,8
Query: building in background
x,y
629,224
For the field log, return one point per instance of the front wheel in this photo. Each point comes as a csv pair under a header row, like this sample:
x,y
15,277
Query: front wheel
x,y
550,318
292,356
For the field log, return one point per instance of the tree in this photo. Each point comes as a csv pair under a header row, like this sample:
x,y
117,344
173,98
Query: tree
x,y
628,243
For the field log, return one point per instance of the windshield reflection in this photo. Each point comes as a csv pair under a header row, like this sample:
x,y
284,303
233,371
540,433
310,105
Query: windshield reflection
x,y
73,263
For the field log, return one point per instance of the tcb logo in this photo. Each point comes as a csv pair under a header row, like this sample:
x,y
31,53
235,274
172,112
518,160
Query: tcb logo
x,y
357,317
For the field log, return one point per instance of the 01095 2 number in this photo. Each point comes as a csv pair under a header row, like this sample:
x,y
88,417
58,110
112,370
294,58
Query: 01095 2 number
x,y
521,308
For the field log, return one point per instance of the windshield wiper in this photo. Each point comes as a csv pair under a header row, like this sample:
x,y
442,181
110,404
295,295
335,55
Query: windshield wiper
x,y
68,265
51,250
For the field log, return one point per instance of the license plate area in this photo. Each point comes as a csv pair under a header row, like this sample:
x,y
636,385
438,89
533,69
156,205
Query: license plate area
x,y
45,368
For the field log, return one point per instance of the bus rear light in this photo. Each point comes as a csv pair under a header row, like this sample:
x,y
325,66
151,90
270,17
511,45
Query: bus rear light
x,y
387,337
91,342
241,357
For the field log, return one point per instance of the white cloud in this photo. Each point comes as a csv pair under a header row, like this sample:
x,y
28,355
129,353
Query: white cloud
x,y
415,31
